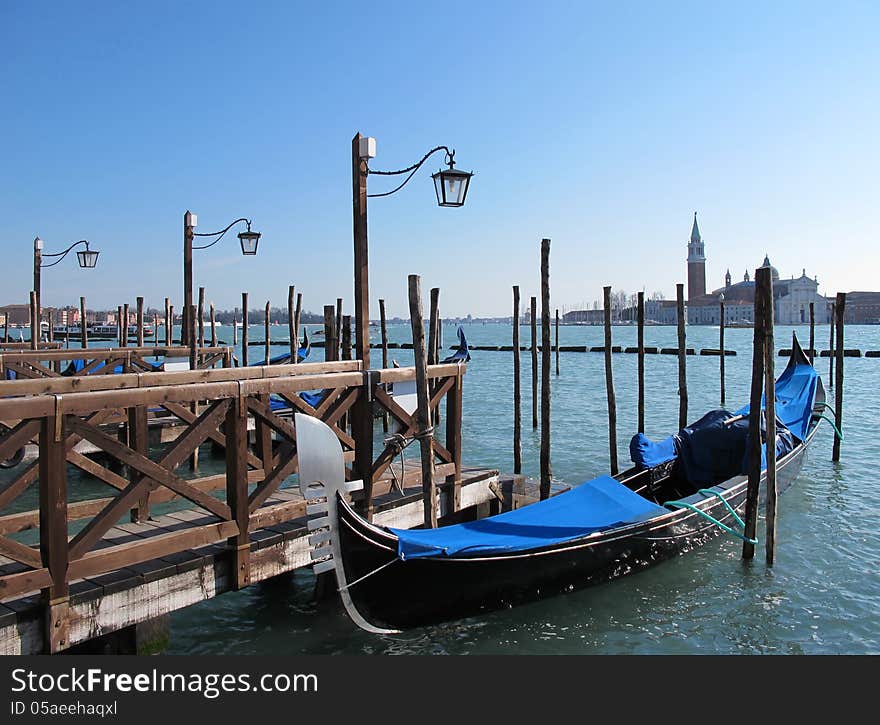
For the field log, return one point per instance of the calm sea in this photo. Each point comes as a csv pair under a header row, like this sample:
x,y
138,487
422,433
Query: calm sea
x,y
822,596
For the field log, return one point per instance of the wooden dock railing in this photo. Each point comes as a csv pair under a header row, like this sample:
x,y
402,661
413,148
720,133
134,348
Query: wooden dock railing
x,y
63,413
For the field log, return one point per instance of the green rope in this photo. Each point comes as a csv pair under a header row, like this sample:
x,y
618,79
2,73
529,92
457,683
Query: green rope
x,y
831,422
723,527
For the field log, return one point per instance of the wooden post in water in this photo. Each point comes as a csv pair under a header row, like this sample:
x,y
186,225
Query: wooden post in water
x,y
609,385
534,310
213,325
434,345
346,337
682,361
291,325
762,289
546,468
296,318
235,327
839,309
640,321
338,328
83,331
171,325
192,342
169,322
155,329
517,408
721,348
423,416
123,325
244,329
140,321
267,332
201,316
770,418
329,334
831,320
35,323
812,332
557,341
384,330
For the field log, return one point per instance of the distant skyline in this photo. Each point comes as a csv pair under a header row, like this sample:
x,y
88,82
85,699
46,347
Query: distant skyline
x,y
601,127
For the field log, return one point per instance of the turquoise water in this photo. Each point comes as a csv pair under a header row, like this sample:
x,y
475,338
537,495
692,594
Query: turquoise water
x,y
822,595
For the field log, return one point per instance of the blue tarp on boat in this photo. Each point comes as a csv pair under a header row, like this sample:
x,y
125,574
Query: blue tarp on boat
x,y
600,504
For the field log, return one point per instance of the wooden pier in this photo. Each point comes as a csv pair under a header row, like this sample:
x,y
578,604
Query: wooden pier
x,y
168,536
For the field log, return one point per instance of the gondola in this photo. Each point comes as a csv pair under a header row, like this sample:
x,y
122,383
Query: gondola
x,y
679,494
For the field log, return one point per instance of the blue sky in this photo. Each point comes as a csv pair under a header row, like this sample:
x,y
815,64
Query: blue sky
x,y
601,126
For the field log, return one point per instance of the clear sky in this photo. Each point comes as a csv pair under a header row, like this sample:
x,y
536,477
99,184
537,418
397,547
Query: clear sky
x,y
602,126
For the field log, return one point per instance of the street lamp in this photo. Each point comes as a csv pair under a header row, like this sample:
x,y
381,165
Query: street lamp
x,y
248,239
87,259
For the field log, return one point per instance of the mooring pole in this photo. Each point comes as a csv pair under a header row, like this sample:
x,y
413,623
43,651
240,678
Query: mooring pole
x,y
296,318
534,302
831,320
83,331
721,349
682,360
156,329
762,299
35,323
546,469
338,328
244,329
123,330
201,316
609,384
556,346
812,332
383,328
213,325
839,310
291,324
517,403
169,322
641,344
189,225
171,326
434,343
329,333
235,327
346,337
267,333
140,321
423,415
770,418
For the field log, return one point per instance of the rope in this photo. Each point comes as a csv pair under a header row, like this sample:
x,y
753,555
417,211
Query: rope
x,y
831,422
399,443
723,527
367,575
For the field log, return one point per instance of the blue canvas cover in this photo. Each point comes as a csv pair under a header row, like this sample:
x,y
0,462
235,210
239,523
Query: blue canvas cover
x,y
795,396
596,505
461,354
645,453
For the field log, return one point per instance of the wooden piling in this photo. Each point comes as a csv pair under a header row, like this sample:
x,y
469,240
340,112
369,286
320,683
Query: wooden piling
x,y
346,337
556,346
244,329
338,328
682,360
721,348
234,328
329,334
812,352
169,323
192,342
291,325
423,417
839,310
831,320
384,331
140,321
534,330
213,325
155,329
609,385
640,322
121,326
201,316
546,468
267,332
296,318
83,331
35,323
762,287
517,408
434,344
770,418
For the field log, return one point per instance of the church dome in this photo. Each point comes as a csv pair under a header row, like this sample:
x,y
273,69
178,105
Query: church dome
x,y
774,273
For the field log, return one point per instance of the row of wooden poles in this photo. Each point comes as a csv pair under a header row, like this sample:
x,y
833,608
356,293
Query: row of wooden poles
x,y
763,381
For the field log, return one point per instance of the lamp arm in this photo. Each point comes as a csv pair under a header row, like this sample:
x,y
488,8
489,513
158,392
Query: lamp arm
x,y
411,170
220,234
63,254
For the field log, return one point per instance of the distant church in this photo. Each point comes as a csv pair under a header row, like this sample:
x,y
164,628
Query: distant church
x,y
791,297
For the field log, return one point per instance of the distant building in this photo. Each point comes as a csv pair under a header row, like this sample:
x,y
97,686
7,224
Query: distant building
x,y
696,264
862,308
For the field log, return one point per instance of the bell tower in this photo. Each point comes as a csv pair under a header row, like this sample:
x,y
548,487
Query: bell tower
x,y
696,262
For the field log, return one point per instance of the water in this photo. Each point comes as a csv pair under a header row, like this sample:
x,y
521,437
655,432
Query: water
x,y
822,595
